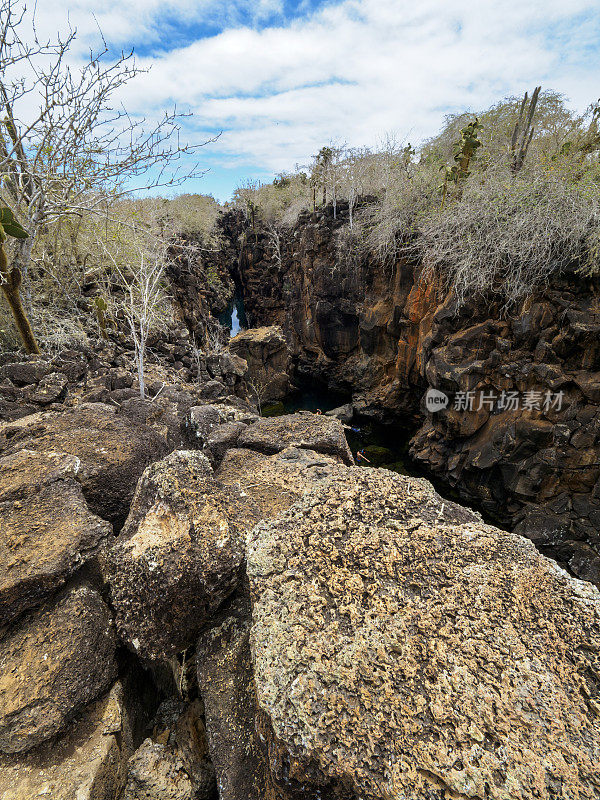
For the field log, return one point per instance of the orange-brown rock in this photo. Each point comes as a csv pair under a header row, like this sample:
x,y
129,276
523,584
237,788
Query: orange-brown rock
x,y
88,762
56,661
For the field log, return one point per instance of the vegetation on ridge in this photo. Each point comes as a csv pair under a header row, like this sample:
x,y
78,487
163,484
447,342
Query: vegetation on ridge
x,y
526,207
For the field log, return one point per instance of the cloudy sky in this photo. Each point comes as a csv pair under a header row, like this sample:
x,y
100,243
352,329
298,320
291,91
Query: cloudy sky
x,y
281,78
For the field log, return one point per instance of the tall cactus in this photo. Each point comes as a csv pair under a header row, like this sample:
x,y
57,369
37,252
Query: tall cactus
x,y
523,132
10,279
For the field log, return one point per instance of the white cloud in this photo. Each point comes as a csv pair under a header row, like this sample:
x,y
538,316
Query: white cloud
x,y
352,71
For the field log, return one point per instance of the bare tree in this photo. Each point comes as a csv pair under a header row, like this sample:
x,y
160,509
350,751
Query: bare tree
x,y
142,309
274,242
64,148
259,389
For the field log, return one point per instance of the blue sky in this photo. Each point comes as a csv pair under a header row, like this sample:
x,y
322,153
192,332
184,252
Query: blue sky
x,y
281,78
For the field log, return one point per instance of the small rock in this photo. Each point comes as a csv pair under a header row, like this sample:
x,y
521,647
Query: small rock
x,y
51,389
155,772
203,419
344,413
212,390
223,438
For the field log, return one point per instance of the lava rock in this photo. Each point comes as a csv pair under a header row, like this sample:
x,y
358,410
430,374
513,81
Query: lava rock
x,y
51,389
275,482
310,431
112,450
24,373
155,772
48,531
180,554
88,762
268,360
226,684
56,662
203,419
222,439
408,648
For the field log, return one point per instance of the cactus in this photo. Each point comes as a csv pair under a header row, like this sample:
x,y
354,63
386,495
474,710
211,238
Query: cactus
x,y
523,132
11,279
100,307
464,151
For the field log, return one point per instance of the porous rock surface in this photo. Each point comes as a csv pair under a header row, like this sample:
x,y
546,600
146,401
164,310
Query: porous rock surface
x,y
157,773
306,430
180,727
411,650
112,450
53,664
88,762
180,554
269,359
47,529
275,482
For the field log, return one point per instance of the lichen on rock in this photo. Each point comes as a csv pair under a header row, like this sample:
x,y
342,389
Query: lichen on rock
x,y
180,554
410,649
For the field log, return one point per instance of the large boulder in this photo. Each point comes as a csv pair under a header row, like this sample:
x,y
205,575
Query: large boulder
x,y
113,450
269,360
275,482
87,763
47,529
310,431
226,684
411,651
180,554
59,660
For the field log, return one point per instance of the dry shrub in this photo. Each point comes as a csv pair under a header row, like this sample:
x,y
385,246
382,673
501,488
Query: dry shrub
x,y
509,234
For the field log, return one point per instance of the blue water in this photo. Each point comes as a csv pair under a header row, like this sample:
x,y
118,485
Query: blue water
x,y
234,316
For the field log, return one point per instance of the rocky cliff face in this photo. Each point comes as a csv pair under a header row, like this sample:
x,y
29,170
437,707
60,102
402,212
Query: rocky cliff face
x,y
387,334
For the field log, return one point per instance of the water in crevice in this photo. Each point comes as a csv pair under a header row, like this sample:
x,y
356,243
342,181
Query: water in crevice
x,y
234,316
372,443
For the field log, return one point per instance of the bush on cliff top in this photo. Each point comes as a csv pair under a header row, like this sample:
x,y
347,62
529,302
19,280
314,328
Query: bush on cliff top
x,y
504,232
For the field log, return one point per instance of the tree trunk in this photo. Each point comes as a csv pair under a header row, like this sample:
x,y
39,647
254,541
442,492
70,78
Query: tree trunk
x,y
10,286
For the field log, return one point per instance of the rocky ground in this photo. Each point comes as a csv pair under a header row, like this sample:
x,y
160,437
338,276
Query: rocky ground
x,y
200,603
